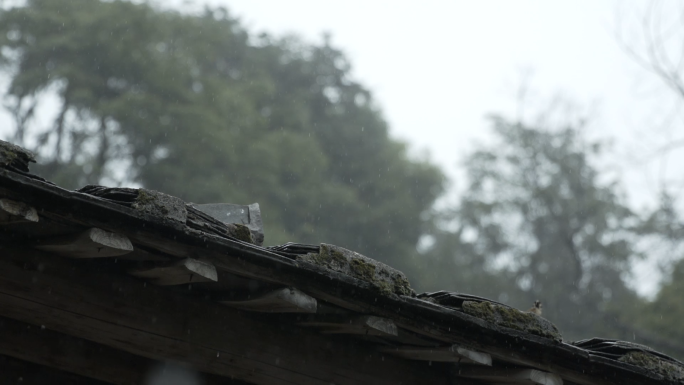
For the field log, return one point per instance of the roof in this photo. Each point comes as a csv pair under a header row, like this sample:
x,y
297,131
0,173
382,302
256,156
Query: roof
x,y
115,279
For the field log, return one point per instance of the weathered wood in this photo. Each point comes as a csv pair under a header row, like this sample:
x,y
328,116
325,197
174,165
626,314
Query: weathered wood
x,y
35,343
259,264
361,325
120,312
138,254
92,243
453,353
16,212
510,376
421,317
18,372
285,300
50,349
406,337
177,272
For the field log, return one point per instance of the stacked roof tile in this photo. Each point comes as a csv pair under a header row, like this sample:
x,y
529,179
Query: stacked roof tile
x,y
103,278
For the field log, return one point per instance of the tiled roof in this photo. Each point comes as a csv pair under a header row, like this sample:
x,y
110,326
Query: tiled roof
x,y
142,277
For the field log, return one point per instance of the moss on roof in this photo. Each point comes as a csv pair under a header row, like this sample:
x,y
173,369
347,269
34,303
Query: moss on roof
x,y
385,279
669,370
512,318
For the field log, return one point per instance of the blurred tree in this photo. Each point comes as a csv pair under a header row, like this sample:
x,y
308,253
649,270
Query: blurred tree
x,y
196,106
659,321
652,37
662,318
537,221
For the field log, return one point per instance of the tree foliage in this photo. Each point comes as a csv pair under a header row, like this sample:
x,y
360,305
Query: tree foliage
x,y
540,223
197,106
663,317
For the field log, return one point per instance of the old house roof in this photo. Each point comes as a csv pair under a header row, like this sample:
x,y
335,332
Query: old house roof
x,y
99,284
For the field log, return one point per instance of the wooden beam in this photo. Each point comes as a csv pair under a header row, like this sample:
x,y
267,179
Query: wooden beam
x,y
178,272
55,351
405,337
510,376
453,353
361,325
92,243
16,212
284,300
121,312
14,372
140,255
35,343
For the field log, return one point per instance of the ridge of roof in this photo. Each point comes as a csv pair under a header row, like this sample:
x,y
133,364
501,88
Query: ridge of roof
x,y
170,229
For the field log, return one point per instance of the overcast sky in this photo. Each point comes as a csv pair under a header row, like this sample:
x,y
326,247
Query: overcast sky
x,y
437,68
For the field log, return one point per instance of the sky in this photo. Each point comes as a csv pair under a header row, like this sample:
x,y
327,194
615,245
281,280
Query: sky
x,y
437,69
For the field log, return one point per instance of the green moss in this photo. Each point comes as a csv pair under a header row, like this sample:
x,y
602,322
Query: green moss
x,y
363,270
242,233
402,286
482,310
334,255
144,198
317,259
512,318
383,287
332,259
640,359
145,201
650,362
8,155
